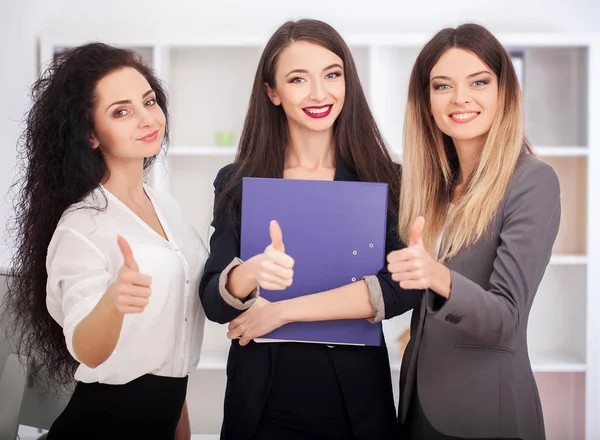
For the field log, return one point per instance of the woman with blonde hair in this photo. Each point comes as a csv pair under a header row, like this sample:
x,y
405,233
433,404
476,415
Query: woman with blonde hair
x,y
480,214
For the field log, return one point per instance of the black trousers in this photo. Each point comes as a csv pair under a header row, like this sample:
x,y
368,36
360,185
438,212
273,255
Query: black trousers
x,y
147,407
305,400
417,427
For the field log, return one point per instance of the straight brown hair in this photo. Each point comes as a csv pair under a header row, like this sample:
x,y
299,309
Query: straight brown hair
x,y
265,135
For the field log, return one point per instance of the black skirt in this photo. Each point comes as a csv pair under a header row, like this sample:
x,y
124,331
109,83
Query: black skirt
x,y
146,407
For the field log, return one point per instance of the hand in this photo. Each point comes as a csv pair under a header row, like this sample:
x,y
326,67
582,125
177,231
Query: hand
x,y
275,267
414,268
262,318
131,290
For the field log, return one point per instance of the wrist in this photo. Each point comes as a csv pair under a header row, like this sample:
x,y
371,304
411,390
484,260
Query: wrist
x,y
283,311
109,301
443,281
253,265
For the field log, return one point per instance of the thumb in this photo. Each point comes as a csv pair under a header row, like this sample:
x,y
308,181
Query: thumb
x,y
416,232
276,236
128,260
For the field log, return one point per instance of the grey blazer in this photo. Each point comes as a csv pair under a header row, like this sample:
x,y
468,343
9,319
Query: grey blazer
x,y
468,355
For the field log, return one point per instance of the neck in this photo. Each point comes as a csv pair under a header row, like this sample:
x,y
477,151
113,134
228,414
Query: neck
x,y
126,180
310,150
468,152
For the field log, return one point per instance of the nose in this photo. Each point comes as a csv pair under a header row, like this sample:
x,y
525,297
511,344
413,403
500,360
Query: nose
x,y
317,91
145,118
460,95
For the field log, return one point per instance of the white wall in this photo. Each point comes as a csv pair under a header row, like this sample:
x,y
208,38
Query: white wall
x,y
21,22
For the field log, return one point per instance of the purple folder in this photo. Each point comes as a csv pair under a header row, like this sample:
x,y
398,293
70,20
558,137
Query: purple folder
x,y
334,230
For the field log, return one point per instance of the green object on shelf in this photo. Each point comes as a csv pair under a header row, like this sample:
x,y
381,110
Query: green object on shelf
x,y
225,138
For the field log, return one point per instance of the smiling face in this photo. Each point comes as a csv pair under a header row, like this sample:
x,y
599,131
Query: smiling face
x,y
463,96
128,122
309,85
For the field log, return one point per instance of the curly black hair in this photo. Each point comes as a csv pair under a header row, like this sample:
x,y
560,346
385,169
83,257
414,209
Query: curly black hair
x,y
57,167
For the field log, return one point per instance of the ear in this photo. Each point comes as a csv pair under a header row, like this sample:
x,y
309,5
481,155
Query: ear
x,y
94,140
272,95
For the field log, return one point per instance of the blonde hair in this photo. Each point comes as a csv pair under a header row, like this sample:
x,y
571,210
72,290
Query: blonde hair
x,y
430,165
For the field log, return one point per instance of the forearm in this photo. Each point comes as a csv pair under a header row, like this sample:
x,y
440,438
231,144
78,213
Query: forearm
x,y
490,316
242,279
96,336
347,302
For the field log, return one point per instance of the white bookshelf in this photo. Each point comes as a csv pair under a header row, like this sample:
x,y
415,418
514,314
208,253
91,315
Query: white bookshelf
x,y
209,79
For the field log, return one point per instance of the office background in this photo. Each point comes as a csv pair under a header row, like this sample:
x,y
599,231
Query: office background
x,y
563,102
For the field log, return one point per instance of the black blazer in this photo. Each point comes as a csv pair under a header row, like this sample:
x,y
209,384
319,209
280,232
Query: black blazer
x,y
363,372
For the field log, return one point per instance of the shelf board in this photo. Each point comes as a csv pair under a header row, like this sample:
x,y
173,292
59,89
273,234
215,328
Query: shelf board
x,y
568,260
201,151
564,151
557,363
241,38
212,361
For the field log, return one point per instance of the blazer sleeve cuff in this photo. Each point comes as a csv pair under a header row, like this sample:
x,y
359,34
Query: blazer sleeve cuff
x,y
451,309
376,298
231,300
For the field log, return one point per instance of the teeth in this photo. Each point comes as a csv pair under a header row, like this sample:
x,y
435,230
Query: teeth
x,y
316,111
463,115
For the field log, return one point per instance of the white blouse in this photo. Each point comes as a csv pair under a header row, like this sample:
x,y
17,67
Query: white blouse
x,y
84,259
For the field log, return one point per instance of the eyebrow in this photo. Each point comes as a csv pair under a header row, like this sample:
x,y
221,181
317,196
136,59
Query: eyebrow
x,y
128,101
331,66
468,76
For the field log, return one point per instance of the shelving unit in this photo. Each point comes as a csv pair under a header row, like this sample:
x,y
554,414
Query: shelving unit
x,y
209,81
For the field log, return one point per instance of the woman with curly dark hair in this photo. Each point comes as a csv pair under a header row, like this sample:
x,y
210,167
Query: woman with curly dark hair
x,y
105,266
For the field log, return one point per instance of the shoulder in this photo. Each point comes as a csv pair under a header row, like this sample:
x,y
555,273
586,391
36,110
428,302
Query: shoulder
x,y
226,173
83,216
80,230
532,172
534,187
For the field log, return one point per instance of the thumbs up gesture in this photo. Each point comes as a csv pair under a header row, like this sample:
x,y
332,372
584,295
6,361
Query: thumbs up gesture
x,y
416,232
275,270
412,266
131,290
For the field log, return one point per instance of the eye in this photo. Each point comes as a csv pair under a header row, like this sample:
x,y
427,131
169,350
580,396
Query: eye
x,y
297,80
151,101
480,82
441,86
333,75
120,113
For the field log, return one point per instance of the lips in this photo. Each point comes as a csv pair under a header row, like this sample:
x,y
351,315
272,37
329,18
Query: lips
x,y
150,137
463,117
318,112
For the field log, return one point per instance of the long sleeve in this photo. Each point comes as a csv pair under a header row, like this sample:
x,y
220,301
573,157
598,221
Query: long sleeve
x,y
388,299
219,305
78,277
530,225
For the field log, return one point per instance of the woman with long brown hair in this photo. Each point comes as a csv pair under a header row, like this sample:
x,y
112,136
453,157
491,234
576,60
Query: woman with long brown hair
x,y
480,214
308,119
